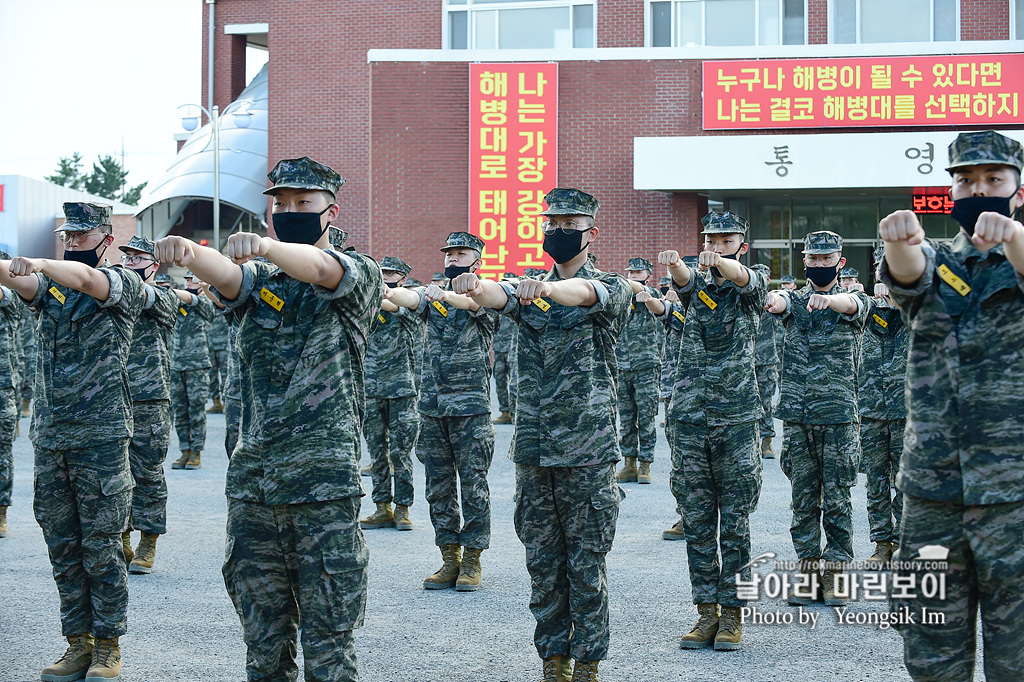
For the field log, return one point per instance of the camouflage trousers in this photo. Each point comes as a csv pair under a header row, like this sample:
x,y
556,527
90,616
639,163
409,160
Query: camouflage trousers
x,y
218,372
820,461
390,428
146,454
9,413
881,445
28,374
500,370
638,413
565,517
767,384
189,390
232,422
454,451
675,479
291,564
985,569
721,468
82,502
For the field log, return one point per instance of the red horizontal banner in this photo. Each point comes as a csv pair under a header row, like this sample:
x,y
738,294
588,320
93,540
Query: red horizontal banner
x,y
982,90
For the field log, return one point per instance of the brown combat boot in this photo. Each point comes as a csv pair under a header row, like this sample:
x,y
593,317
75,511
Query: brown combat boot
x,y
449,571
216,408
730,630
382,518
675,532
766,448
704,631
828,585
883,553
195,461
145,555
106,661
585,671
402,520
503,418
470,572
73,664
25,410
643,472
365,471
3,521
180,463
557,669
126,545
806,586
629,471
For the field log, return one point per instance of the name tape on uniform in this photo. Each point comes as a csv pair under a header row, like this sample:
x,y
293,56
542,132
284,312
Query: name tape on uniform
x,y
273,301
959,286
184,313
882,323
55,292
440,308
381,318
678,315
708,301
542,304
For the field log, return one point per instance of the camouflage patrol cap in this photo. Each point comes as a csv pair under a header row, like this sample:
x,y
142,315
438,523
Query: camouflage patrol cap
x,y
849,273
724,223
139,243
639,264
190,275
82,216
336,236
569,201
163,278
664,280
534,272
4,255
304,173
822,242
985,147
395,264
463,240
878,254
438,276
690,261
762,268
510,275
787,279
413,282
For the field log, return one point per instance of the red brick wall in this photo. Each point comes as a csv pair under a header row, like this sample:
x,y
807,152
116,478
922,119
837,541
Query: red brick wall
x,y
985,20
817,22
619,23
229,50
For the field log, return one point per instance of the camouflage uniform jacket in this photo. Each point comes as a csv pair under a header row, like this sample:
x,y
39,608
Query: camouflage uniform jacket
x,y
765,352
503,335
821,352
390,359
149,361
965,375
82,394
218,334
456,380
10,338
883,365
300,356
190,348
715,379
673,319
638,347
566,404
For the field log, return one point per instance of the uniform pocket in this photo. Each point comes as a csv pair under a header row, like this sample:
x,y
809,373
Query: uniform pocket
x,y
342,590
601,519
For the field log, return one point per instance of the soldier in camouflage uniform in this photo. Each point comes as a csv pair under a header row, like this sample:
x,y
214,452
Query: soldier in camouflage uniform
x,y
218,342
848,279
392,422
962,465
716,406
456,441
673,316
81,426
190,372
502,345
27,357
149,371
638,379
565,448
767,366
11,321
883,417
295,552
788,282
818,407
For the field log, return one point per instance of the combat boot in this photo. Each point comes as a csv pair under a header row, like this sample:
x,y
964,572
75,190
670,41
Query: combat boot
x,y
180,463
883,553
643,472
365,471
74,663
106,661
766,448
629,472
126,545
557,669
828,578
805,587
449,571
730,630
195,461
216,408
145,555
703,633
470,572
585,671
25,411
382,518
503,418
675,532
3,521
402,520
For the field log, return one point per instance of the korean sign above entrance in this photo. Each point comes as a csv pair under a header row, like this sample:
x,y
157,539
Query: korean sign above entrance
x,y
978,90
513,161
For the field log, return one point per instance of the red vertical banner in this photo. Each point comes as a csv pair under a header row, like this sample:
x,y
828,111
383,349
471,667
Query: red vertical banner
x,y
513,161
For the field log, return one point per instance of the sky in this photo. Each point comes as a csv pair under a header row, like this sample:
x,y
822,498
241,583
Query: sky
x,y
89,75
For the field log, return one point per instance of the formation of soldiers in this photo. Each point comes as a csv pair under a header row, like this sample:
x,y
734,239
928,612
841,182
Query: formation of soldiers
x,y
911,386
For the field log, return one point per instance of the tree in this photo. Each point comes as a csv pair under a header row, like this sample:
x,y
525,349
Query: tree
x,y
106,179
69,172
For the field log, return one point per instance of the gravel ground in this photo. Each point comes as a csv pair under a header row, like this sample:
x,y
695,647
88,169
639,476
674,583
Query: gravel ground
x,y
182,625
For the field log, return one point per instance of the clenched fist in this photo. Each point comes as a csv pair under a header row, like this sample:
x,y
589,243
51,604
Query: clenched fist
x,y
775,303
708,259
672,296
245,245
670,258
21,266
901,226
881,290
530,289
467,283
644,297
995,228
818,302
435,293
177,250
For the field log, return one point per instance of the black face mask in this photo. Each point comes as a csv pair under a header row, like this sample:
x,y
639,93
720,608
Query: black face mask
x,y
564,247
391,285
664,290
141,272
967,210
296,227
90,257
453,271
822,276
731,256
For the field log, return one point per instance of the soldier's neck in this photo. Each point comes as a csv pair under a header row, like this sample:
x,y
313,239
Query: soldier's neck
x,y
571,267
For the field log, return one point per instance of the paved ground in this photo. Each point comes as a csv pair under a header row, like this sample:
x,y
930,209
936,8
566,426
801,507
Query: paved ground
x,y
182,625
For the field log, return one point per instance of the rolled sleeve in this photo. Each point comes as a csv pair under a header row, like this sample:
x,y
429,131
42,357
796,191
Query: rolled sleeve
x,y
37,300
789,306
689,286
245,290
149,294
116,294
860,314
602,298
8,297
903,294
512,304
348,282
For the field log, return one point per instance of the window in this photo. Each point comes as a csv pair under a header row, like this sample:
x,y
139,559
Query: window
x,y
1017,19
885,21
519,24
680,23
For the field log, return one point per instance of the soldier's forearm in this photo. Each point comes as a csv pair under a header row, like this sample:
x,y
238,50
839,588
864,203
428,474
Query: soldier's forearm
x,y
217,271
77,276
462,302
844,304
906,262
494,295
574,292
307,264
656,306
405,298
